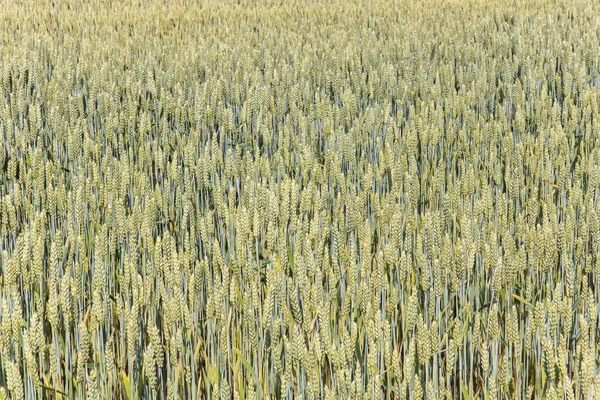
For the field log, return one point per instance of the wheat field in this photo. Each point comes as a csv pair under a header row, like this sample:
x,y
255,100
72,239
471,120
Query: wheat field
x,y
376,199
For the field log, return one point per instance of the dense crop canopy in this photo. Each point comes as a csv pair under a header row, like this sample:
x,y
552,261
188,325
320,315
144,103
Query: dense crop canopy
x,y
299,199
